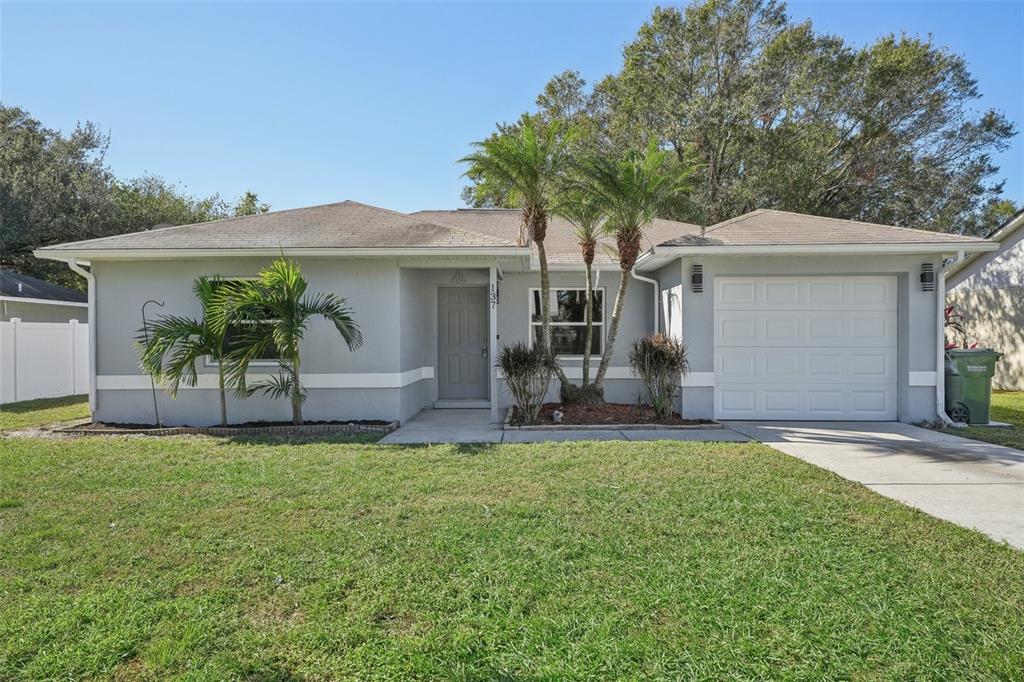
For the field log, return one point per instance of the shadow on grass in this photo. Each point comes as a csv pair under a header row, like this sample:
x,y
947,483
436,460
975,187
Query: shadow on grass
x,y
43,404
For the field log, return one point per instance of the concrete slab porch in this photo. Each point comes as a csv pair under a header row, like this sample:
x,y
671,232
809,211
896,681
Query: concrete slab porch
x,y
473,426
973,484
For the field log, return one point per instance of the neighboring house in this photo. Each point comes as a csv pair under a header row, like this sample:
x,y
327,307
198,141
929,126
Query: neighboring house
x,y
33,300
988,288
785,316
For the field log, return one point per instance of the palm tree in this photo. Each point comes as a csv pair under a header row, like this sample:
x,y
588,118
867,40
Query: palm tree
x,y
631,190
586,215
526,165
171,346
276,310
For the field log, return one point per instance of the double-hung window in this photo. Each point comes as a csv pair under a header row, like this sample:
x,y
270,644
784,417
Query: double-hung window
x,y
236,332
568,328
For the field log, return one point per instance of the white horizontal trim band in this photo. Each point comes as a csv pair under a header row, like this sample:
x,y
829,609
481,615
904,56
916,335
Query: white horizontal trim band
x,y
108,382
921,379
826,249
43,301
577,373
88,255
698,380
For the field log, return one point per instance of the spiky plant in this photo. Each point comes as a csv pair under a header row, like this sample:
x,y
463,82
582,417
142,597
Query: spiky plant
x,y
526,165
660,361
631,190
276,310
528,373
170,346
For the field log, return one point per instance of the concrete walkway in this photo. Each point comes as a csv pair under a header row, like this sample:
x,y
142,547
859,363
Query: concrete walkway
x,y
973,484
473,426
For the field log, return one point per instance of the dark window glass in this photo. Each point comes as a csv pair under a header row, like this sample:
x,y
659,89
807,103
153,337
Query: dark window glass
x,y
568,306
568,340
234,337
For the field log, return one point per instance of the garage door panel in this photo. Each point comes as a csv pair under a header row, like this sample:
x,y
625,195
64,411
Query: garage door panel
x,y
869,402
805,328
806,348
805,365
801,293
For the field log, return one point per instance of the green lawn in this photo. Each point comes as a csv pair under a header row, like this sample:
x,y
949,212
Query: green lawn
x,y
1007,406
144,558
42,412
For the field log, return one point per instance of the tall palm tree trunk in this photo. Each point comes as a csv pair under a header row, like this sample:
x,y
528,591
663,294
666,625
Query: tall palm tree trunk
x,y
296,392
545,295
613,330
223,395
588,319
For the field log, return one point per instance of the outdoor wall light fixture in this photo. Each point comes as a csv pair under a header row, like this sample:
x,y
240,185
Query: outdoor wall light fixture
x,y
697,278
927,277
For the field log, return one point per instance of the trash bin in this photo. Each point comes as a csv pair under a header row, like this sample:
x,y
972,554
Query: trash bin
x,y
969,384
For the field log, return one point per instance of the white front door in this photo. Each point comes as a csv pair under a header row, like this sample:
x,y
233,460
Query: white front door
x,y
813,348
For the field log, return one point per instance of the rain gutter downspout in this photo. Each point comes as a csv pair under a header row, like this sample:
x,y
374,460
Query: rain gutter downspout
x,y
91,280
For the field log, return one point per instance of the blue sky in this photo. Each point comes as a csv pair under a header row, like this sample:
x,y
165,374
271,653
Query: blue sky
x,y
312,103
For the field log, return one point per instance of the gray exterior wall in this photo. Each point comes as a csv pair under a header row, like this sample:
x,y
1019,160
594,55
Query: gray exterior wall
x,y
916,326
42,312
371,287
395,302
637,320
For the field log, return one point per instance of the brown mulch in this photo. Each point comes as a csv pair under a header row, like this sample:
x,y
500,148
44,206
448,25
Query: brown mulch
x,y
612,413
117,427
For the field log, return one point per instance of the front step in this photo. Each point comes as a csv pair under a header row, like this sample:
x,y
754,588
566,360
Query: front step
x,y
461,404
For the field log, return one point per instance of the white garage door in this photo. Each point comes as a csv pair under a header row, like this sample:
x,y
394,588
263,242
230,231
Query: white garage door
x,y
805,348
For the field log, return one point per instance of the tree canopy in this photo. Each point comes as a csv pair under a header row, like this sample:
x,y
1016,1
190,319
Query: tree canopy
x,y
773,114
58,188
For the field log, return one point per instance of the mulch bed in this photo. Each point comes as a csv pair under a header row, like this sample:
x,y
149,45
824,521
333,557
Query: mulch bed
x,y
245,429
611,413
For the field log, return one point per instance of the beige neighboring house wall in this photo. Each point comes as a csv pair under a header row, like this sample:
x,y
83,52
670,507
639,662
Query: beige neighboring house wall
x,y
989,290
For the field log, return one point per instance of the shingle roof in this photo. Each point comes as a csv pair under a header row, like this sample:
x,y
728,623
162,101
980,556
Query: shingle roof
x,y
16,285
347,224
561,244
769,227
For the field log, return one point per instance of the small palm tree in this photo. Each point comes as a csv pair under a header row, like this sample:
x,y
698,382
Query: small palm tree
x,y
586,215
631,190
171,346
276,310
527,164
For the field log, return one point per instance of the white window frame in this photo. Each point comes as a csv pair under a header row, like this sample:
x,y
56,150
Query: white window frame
x,y
208,361
599,327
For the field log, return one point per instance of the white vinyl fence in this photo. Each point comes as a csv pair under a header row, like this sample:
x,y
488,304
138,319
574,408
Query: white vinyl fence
x,y
43,360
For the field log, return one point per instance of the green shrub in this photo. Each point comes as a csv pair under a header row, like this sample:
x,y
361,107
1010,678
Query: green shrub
x,y
528,373
660,362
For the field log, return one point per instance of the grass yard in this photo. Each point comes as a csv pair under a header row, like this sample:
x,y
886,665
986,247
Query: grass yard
x,y
44,411
1007,406
144,558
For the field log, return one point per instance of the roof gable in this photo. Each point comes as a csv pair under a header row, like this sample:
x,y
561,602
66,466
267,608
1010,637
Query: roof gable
x,y
346,224
767,227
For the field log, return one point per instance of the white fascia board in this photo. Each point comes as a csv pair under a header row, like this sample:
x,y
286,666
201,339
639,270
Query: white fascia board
x,y
89,255
824,249
43,301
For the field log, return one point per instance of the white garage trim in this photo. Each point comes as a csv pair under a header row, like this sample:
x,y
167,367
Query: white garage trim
x,y
814,348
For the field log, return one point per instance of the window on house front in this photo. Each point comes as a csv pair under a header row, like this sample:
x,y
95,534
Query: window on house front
x,y
568,327
236,332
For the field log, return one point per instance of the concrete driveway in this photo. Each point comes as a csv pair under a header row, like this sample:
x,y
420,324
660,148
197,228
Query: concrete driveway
x,y
973,484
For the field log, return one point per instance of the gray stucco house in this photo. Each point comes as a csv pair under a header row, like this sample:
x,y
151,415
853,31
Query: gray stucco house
x,y
988,288
33,300
786,316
